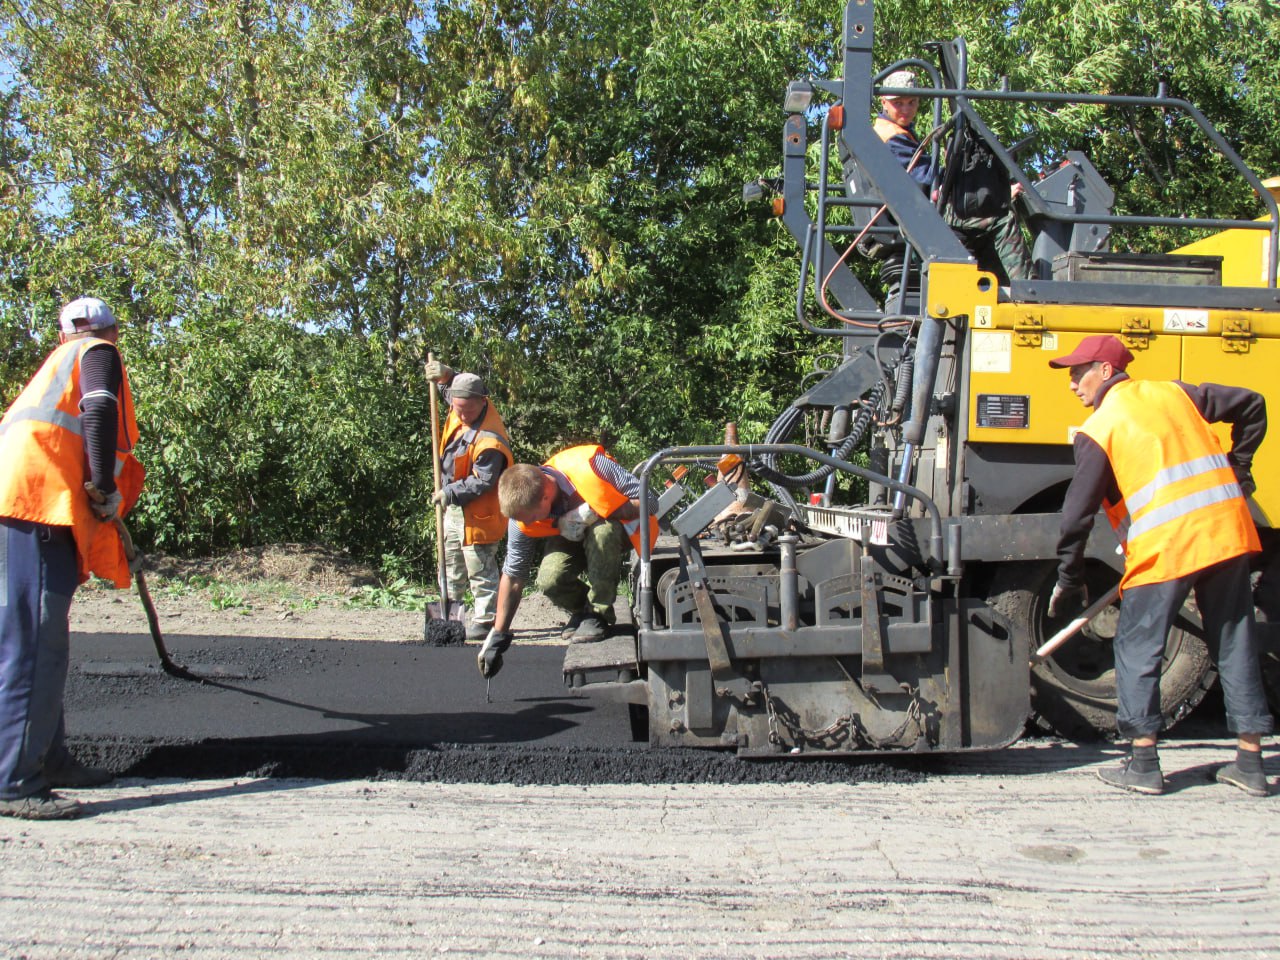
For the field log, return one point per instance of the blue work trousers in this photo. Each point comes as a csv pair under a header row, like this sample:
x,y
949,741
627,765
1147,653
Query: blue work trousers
x,y
1225,599
37,579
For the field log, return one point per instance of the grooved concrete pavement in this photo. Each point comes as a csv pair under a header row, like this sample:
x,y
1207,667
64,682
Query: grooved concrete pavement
x,y
1021,854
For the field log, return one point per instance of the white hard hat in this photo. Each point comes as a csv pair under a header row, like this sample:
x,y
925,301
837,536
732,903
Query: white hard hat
x,y
85,313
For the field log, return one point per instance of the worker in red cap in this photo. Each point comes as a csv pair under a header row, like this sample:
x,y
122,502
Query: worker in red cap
x,y
1149,458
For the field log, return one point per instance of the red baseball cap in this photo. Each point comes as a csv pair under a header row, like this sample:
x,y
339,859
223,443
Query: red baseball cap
x,y
1100,348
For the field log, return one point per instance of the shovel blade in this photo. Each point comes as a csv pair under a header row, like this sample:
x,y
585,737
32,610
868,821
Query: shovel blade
x,y
452,610
447,610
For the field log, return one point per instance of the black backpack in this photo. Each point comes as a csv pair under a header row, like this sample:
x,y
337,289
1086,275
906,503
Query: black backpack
x,y
978,186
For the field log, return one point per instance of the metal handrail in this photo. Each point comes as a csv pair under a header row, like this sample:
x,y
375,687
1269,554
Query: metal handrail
x,y
937,553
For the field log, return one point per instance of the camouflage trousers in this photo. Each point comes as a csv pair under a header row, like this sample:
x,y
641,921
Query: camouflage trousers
x,y
996,243
474,566
598,557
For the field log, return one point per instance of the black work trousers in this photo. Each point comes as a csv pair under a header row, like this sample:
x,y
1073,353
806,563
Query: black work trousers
x,y
1225,599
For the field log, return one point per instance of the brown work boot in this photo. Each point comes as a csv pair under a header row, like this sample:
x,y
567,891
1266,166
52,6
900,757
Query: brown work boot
x,y
590,629
571,627
74,775
45,805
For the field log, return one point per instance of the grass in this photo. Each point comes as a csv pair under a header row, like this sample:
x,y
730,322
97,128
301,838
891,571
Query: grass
x,y
396,594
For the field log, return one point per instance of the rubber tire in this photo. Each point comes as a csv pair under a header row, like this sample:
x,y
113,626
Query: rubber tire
x,y
1073,694
1269,643
1266,607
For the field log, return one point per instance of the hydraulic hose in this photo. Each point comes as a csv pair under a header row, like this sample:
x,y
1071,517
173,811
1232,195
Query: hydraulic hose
x,y
902,389
781,431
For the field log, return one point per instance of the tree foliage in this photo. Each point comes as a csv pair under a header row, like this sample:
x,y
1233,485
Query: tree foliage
x,y
290,203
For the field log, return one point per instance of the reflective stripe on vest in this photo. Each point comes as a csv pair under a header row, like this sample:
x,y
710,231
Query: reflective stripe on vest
x,y
1179,471
56,417
1182,507
45,409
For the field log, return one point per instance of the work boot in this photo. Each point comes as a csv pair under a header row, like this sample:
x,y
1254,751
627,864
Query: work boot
x,y
478,631
1252,782
489,659
1125,777
571,627
590,629
45,805
74,774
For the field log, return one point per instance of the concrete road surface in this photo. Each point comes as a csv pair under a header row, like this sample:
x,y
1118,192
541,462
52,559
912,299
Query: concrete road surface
x,y
1020,854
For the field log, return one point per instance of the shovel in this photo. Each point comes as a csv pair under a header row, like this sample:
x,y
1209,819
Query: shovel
x,y
438,629
153,621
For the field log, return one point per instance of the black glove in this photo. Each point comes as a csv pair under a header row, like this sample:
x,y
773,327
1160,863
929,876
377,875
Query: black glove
x,y
489,659
1244,477
1067,600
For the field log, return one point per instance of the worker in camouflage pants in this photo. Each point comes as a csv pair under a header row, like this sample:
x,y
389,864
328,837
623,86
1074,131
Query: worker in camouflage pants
x,y
996,243
583,508
599,557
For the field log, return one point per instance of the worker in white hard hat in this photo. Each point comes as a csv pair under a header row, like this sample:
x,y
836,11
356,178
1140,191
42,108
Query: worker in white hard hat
x,y
71,427
990,229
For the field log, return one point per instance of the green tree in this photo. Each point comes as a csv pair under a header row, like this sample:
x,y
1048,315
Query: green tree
x,y
592,164
290,202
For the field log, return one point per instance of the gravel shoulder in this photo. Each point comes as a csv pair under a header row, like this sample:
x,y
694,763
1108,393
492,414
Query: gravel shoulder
x,y
1018,855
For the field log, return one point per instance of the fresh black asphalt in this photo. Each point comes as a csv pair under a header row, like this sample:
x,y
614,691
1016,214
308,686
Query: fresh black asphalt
x,y
340,709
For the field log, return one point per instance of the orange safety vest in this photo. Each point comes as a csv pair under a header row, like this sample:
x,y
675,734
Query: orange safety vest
x,y
482,520
886,130
42,447
600,495
1181,509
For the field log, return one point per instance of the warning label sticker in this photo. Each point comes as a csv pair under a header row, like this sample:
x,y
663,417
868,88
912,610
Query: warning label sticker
x,y
1186,321
992,353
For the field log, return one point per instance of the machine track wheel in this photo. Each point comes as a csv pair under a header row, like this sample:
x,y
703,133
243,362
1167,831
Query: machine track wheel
x,y
1073,693
1271,665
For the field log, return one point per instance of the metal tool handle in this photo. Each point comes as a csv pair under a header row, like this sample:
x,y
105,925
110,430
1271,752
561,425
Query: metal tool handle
x,y
148,606
1075,626
434,393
